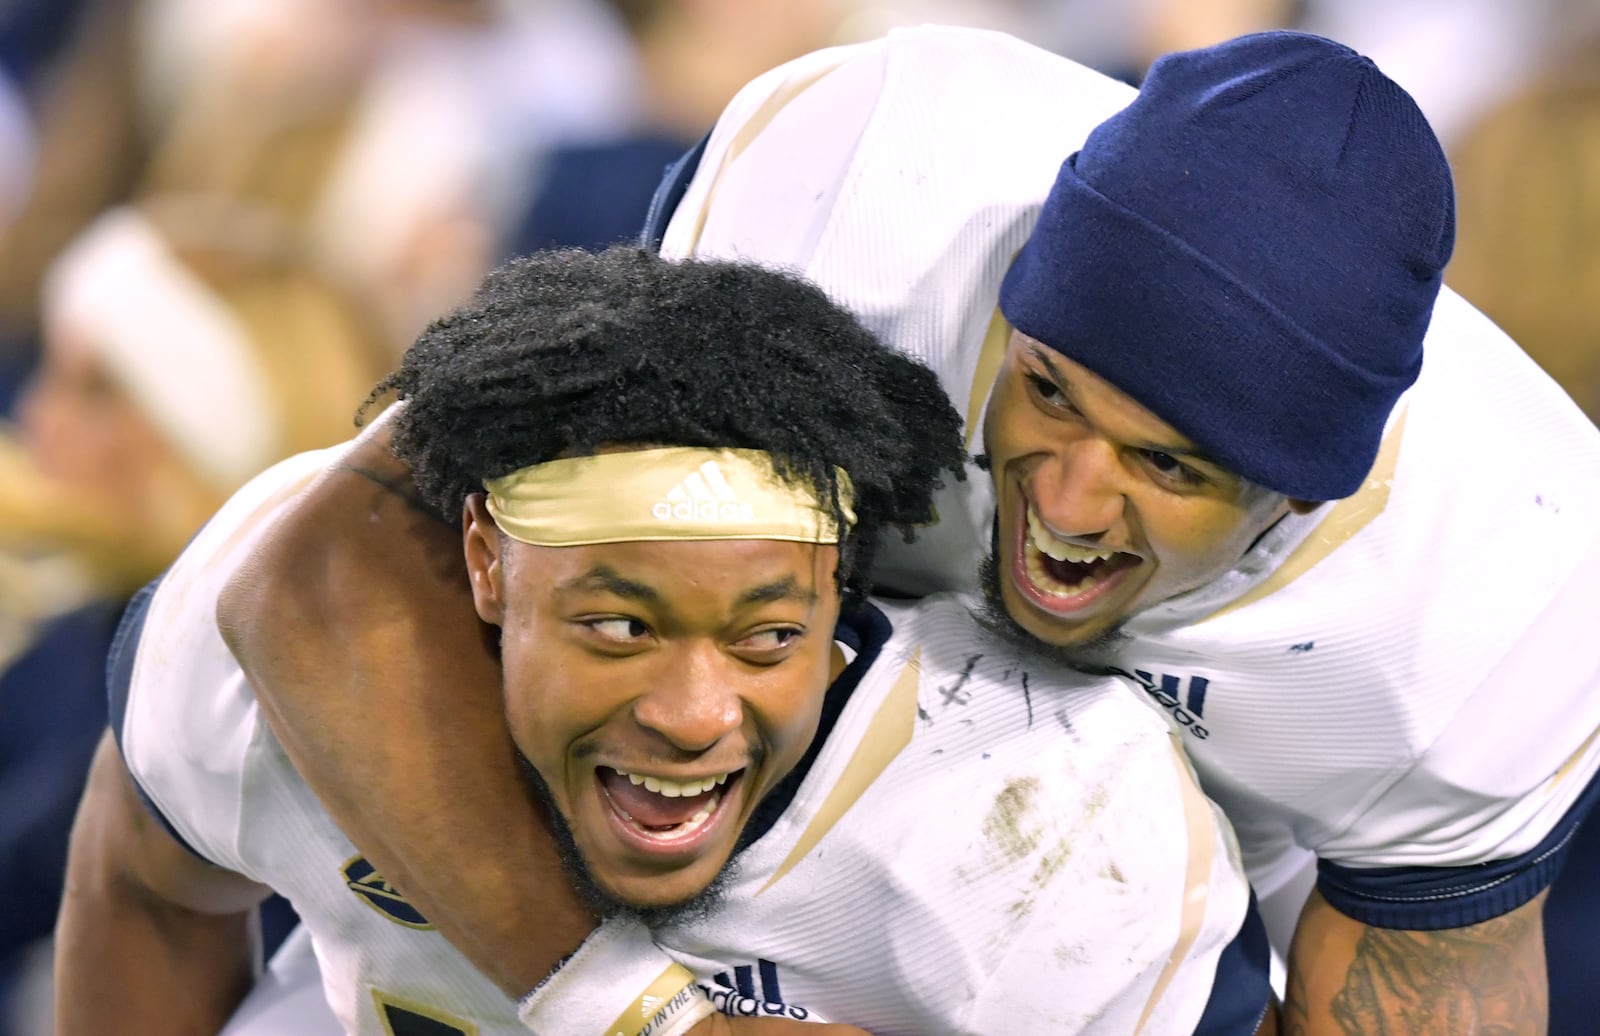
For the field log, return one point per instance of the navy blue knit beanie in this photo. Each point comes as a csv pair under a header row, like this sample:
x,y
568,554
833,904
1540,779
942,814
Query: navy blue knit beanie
x,y
1251,250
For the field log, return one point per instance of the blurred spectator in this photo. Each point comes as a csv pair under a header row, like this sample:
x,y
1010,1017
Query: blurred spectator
x,y
1122,39
187,346
692,56
31,33
86,153
1456,57
1189,24
426,170
16,149
1528,243
377,125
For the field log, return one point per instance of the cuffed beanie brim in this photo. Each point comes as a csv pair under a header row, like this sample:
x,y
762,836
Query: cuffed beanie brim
x,y
1313,419
1251,250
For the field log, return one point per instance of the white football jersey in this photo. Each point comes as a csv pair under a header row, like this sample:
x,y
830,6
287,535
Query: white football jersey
x,y
981,844
980,847
1409,677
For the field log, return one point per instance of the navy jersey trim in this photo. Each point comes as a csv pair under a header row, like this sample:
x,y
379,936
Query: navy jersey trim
x,y
119,680
1427,899
1241,993
865,630
674,185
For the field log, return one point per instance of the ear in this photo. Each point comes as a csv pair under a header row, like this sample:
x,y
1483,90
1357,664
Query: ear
x,y
1304,506
481,543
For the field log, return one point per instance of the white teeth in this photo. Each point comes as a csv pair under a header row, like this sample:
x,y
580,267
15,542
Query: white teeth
x,y
671,789
1060,550
1049,583
702,814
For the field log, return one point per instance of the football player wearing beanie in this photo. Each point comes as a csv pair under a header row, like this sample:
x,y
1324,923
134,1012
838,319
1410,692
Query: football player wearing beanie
x,y
1240,447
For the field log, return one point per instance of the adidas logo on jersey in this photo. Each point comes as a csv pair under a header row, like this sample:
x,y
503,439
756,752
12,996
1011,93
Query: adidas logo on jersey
x,y
703,496
1164,688
746,996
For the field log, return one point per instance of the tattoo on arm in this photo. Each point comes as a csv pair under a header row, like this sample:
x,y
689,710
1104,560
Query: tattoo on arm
x,y
1478,981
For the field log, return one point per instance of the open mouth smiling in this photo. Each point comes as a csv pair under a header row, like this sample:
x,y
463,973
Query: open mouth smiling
x,y
658,814
1061,577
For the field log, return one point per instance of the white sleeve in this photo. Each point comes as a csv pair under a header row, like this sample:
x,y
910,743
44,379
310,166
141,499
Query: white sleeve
x,y
901,176
1485,818
1517,755
190,717
776,158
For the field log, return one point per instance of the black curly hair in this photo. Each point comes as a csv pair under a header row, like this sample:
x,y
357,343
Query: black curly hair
x,y
565,351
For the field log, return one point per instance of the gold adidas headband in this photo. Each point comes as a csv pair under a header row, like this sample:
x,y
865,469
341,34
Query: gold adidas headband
x,y
678,493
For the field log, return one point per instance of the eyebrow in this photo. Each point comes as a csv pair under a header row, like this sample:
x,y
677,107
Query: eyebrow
x,y
607,579
1064,383
785,589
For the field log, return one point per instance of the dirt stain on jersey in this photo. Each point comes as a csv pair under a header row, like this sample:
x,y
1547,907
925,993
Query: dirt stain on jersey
x,y
1010,826
1051,862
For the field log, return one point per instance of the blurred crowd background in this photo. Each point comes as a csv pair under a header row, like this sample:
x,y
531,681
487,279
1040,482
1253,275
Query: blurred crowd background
x,y
221,221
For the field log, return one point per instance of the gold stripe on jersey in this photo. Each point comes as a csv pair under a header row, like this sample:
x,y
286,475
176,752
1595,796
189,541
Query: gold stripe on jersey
x,y
1200,822
1346,518
884,739
1572,761
746,136
995,341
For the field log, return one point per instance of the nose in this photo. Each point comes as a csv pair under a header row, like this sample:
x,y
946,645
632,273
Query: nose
x,y
695,704
1077,489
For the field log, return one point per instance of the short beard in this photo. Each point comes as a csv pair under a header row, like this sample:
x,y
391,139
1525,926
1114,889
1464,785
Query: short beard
x,y
698,907
1096,655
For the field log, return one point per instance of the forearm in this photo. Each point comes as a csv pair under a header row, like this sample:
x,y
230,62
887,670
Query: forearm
x,y
130,957
355,624
415,800
1347,979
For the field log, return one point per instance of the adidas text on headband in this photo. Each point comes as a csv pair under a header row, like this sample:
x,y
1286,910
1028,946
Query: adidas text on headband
x,y
677,493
